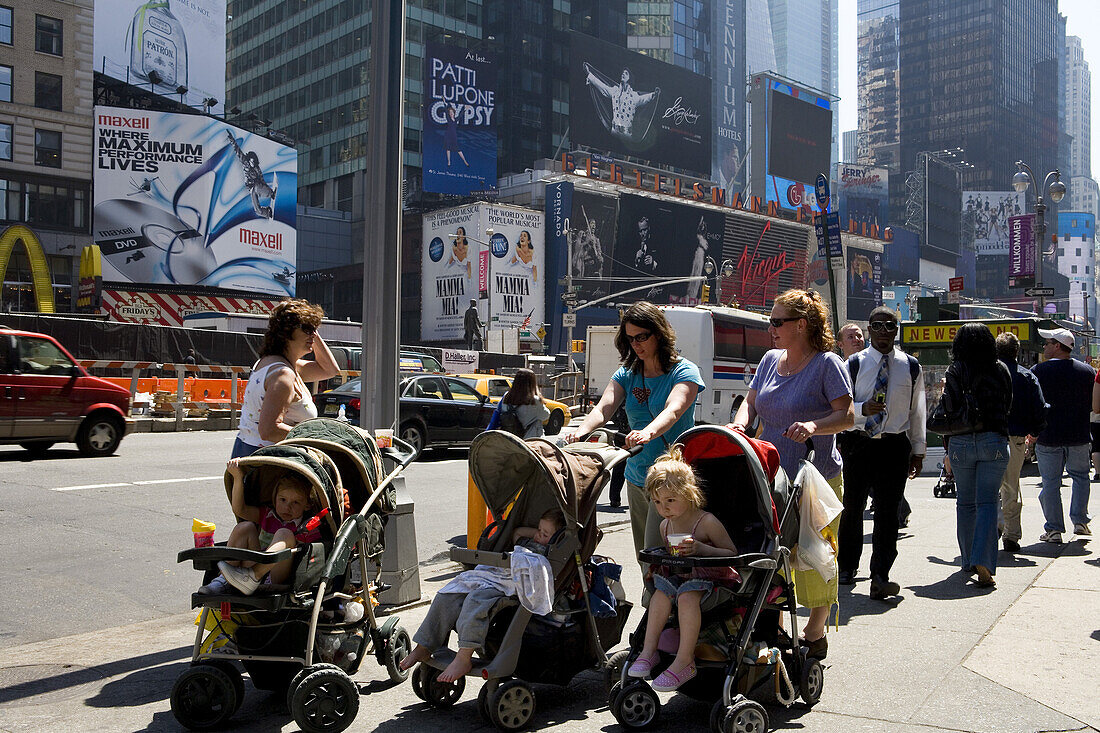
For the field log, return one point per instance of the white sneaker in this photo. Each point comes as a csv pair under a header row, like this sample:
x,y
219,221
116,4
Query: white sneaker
x,y
242,578
1082,530
1054,538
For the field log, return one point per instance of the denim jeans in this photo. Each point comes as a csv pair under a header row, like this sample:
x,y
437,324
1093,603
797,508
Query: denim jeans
x,y
1075,460
978,461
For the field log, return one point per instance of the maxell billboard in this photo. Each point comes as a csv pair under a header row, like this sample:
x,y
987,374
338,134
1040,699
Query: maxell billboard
x,y
189,200
163,46
629,104
460,115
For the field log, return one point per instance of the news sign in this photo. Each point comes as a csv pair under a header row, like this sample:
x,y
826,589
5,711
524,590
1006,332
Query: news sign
x,y
190,200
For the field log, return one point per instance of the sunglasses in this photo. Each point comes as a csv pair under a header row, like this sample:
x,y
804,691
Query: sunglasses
x,y
639,338
884,326
307,329
778,322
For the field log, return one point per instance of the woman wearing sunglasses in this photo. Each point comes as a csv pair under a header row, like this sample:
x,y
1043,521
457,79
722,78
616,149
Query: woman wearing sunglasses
x,y
658,389
802,390
276,398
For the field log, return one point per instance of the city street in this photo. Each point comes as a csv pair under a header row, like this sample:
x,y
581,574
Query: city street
x,y
96,627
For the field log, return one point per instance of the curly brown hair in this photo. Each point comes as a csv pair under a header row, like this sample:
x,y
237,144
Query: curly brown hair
x,y
808,304
644,314
285,317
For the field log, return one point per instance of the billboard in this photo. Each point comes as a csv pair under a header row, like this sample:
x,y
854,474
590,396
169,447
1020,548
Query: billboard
x,y
189,200
989,211
459,140
517,274
170,309
592,235
182,42
1021,250
863,196
769,257
864,282
730,138
630,104
448,275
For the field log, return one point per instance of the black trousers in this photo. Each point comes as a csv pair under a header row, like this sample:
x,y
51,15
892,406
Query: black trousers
x,y
880,465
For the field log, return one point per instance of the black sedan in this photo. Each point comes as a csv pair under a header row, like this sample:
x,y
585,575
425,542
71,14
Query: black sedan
x,y
435,410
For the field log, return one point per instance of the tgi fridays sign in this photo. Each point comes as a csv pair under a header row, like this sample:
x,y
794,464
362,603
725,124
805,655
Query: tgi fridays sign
x,y
169,309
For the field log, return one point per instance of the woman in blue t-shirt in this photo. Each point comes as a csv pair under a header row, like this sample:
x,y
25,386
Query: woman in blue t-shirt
x,y
659,389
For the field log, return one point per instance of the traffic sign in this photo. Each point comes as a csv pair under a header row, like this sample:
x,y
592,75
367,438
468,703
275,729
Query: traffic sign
x,y
821,190
569,297
568,319
827,228
953,296
955,284
1039,292
541,333
1058,316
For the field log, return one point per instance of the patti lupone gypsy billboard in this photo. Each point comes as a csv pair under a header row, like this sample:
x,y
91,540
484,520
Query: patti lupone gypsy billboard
x,y
189,200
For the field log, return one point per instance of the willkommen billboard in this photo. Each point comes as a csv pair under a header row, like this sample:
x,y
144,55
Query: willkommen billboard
x,y
460,115
182,41
629,104
189,200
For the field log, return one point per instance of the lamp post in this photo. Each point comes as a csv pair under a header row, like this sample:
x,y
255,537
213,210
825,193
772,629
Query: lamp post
x,y
726,270
1057,190
488,242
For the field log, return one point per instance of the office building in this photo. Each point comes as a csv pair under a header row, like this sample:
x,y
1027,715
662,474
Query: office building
x,y
1076,260
877,77
848,146
759,45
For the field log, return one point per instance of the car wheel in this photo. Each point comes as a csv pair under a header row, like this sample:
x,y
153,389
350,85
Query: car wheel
x,y
99,434
413,434
555,423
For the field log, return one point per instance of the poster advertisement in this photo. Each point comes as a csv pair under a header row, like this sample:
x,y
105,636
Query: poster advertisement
x,y
189,200
863,194
163,46
990,210
460,116
517,274
864,275
1021,250
769,257
629,104
170,309
448,272
593,238
730,125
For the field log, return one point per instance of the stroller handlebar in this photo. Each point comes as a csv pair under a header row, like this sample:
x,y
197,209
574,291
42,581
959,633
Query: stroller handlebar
x,y
613,437
402,457
660,556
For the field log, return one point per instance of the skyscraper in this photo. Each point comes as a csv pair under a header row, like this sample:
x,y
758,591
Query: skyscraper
x,y
878,142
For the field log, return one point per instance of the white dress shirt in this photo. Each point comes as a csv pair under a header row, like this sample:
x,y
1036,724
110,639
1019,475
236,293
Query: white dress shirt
x,y
905,406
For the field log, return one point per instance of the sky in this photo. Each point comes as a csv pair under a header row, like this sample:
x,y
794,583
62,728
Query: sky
x,y
1082,19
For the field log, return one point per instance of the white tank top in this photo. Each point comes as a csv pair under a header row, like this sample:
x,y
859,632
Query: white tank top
x,y
254,393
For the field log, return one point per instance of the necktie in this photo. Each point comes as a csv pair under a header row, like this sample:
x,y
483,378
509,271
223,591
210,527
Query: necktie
x,y
874,422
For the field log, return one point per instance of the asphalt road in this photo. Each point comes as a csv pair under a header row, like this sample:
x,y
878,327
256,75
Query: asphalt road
x,y
91,543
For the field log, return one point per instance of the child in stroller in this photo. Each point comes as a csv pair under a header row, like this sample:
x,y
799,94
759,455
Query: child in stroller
x,y
468,610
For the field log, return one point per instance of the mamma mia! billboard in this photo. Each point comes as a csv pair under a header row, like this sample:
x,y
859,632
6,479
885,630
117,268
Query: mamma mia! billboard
x,y
189,200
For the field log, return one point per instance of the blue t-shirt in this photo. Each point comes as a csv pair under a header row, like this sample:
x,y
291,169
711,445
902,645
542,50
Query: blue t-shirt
x,y
645,398
799,397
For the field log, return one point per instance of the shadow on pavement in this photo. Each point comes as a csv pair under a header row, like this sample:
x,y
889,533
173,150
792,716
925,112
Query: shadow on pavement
x,y
145,685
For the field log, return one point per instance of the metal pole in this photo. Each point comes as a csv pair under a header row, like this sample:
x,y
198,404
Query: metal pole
x,y
569,290
1040,236
382,229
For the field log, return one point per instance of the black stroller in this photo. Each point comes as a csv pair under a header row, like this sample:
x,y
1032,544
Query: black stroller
x,y
302,638
746,490
519,481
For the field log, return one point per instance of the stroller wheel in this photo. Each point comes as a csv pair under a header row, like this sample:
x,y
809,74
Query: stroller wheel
x,y
203,697
511,705
418,677
745,716
483,699
298,680
440,694
613,671
812,681
325,701
397,648
635,706
234,675
717,715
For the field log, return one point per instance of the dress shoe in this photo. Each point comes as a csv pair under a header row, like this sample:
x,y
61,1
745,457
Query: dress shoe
x,y
816,649
847,577
883,589
1011,545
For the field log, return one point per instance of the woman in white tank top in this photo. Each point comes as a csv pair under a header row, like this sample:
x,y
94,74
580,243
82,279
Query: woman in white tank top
x,y
276,398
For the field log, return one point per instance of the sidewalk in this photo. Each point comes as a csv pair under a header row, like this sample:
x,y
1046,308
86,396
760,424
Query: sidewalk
x,y
946,656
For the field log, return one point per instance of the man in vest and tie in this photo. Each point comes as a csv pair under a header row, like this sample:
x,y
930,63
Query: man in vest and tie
x,y
886,448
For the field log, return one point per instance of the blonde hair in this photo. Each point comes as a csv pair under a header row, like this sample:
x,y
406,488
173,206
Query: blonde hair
x,y
808,304
291,481
670,473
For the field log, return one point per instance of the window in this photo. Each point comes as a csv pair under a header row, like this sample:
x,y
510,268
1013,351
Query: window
x,y
39,356
47,90
5,141
1078,251
1073,269
47,35
5,25
47,148
5,83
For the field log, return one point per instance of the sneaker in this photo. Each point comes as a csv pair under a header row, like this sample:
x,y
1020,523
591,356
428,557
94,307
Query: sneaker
x,y
1054,538
1011,545
883,589
1082,530
240,578
215,587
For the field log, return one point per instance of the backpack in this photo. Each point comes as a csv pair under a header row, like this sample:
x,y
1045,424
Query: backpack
x,y
914,373
510,422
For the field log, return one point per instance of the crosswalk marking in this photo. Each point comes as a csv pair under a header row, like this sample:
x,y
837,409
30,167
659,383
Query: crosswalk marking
x,y
137,483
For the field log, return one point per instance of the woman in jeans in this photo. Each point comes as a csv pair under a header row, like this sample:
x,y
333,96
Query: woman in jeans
x,y
979,456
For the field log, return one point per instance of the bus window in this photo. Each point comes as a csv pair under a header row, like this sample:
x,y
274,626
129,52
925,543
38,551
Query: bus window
x,y
729,341
757,343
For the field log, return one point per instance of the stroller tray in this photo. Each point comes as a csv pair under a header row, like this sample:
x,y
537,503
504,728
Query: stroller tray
x,y
481,557
207,558
658,556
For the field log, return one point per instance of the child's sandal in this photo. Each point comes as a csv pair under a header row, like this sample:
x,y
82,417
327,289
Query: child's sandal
x,y
669,680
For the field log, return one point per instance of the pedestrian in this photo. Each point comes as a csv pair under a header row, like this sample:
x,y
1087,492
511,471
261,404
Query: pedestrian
x,y
885,450
190,358
618,474
658,389
850,339
471,322
1027,417
524,401
979,455
1094,427
802,390
276,398
1066,442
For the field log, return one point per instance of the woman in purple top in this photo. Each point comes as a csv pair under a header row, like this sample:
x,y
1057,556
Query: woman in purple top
x,y
802,390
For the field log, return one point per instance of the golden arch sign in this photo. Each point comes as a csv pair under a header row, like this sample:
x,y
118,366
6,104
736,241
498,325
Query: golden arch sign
x,y
40,267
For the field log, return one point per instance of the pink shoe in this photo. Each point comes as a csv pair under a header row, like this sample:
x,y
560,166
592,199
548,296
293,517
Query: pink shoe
x,y
669,680
642,666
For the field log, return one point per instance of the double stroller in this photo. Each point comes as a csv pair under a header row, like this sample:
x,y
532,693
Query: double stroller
x,y
308,637
744,658
519,482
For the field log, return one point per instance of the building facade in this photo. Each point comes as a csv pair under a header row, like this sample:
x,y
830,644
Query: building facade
x,y
1076,260
877,79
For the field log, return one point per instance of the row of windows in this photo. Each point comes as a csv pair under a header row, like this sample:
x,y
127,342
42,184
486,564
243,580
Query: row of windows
x,y
59,206
47,146
47,88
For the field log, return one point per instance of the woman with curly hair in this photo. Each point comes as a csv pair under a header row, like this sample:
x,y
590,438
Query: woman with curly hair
x,y
802,390
276,398
658,388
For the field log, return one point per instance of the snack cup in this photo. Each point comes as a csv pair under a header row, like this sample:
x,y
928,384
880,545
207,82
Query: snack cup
x,y
204,533
674,541
383,437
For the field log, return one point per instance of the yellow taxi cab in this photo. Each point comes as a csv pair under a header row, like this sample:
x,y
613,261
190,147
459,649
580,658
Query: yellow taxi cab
x,y
495,386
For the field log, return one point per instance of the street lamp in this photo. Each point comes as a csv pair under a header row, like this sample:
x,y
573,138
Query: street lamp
x,y
1057,191
488,276
727,269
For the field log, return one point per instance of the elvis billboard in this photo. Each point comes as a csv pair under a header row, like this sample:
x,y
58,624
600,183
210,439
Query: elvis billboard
x,y
629,104
190,200
460,116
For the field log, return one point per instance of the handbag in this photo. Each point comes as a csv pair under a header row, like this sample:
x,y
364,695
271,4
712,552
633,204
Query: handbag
x,y
948,419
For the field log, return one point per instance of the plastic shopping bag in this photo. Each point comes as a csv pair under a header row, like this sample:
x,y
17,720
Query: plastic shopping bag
x,y
816,548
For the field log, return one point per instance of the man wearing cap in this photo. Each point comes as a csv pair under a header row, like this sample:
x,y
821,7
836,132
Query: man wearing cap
x,y
1065,443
